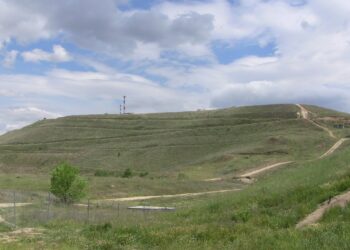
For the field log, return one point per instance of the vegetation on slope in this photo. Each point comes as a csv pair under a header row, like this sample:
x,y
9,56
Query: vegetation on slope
x,y
261,216
160,142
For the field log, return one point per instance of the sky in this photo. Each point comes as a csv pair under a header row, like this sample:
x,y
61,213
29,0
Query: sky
x,y
71,57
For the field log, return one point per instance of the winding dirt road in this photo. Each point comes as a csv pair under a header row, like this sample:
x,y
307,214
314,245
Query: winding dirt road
x,y
334,148
253,173
305,115
140,198
340,200
304,112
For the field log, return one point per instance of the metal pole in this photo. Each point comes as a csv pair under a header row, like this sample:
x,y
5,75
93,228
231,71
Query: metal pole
x,y
124,101
14,209
48,206
88,211
118,210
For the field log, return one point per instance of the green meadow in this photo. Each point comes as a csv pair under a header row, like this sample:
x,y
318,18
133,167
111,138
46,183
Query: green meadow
x,y
174,153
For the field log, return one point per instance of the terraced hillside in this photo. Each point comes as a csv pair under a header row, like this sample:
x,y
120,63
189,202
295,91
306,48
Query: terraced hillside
x,y
156,142
227,140
296,162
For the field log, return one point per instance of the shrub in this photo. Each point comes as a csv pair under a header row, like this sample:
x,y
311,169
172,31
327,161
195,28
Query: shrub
x,y
66,184
103,173
143,174
127,173
181,176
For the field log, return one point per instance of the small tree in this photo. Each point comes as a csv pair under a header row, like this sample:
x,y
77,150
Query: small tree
x,y
66,184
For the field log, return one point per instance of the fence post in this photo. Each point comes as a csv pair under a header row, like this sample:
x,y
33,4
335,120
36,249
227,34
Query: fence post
x,y
118,210
88,211
48,207
14,209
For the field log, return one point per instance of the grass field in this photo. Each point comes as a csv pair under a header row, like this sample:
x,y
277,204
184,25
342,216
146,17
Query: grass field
x,y
179,149
159,142
262,215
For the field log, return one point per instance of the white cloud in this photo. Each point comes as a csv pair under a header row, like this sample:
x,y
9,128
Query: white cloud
x,y
10,58
16,117
59,54
108,30
16,21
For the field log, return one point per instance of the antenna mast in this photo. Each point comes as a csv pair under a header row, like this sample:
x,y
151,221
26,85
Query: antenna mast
x,y
124,102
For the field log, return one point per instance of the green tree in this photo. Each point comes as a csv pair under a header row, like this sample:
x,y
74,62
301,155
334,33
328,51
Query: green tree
x,y
66,184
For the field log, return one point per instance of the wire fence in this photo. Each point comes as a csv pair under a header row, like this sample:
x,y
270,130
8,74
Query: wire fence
x,y
28,210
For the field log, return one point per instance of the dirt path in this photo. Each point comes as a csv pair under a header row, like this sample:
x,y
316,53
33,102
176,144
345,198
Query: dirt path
x,y
304,112
245,175
9,205
259,171
305,115
339,200
252,173
140,198
334,148
214,179
28,233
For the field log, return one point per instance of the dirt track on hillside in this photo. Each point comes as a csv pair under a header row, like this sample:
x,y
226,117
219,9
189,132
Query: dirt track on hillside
x,y
8,205
264,169
340,200
305,115
140,198
334,148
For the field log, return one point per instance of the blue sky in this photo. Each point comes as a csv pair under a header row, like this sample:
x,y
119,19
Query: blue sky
x,y
169,55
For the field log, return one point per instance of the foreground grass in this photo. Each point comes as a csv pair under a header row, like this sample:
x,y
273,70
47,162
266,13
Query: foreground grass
x,y
263,216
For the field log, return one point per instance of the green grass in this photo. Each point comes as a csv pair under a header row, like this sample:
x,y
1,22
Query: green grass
x,y
159,142
330,119
179,150
262,216
191,146
112,187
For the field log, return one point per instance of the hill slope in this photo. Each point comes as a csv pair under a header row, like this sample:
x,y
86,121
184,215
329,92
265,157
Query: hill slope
x,y
164,142
262,215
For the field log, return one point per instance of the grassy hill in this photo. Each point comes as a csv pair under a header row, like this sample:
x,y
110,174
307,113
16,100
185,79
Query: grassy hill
x,y
177,151
164,142
197,145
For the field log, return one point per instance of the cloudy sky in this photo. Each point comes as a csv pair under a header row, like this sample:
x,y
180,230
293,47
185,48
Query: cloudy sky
x,y
81,56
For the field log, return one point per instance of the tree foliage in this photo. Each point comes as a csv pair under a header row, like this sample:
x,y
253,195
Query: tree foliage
x,y
66,184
